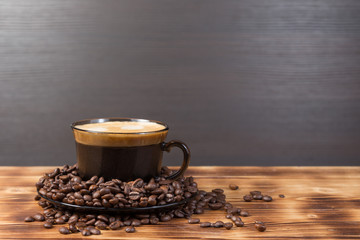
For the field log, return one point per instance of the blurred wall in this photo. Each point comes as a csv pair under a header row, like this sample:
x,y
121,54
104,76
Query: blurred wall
x,y
243,82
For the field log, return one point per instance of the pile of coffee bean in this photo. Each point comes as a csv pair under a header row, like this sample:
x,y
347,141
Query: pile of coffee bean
x,y
256,195
66,185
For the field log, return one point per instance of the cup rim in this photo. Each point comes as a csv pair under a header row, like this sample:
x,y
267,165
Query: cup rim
x,y
111,119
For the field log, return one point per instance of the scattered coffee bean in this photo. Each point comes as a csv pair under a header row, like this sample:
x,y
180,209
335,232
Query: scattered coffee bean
x,y
37,198
205,224
248,198
239,223
233,187
73,228
267,198
29,219
218,224
194,220
95,231
64,230
130,229
244,213
281,195
39,217
252,193
48,225
257,197
260,226
228,225
218,190
85,232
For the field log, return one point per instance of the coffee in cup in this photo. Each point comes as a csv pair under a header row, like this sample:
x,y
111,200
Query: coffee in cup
x,y
123,148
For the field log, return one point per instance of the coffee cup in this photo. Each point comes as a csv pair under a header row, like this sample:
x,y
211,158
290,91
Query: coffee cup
x,y
124,148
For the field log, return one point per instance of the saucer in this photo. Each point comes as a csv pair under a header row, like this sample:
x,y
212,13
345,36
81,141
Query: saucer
x,y
130,210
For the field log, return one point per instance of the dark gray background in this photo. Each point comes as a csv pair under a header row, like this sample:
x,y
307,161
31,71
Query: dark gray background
x,y
243,82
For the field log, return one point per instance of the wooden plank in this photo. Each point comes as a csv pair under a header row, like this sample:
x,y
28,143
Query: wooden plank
x,y
320,203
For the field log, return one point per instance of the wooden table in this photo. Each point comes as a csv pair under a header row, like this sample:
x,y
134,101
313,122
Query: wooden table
x,y
319,203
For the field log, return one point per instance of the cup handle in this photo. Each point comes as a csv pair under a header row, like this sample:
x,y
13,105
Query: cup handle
x,y
186,151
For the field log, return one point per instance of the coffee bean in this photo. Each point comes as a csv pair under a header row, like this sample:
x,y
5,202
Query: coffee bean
x,y
194,220
136,223
248,198
215,206
85,232
104,191
281,195
235,218
39,217
115,225
134,196
233,187
217,190
205,224
239,223
130,229
73,219
267,198
260,226
64,230
37,198
154,220
73,228
145,221
80,225
165,218
91,222
48,225
103,218
257,197
228,225
59,221
218,224
87,198
107,196
252,193
95,231
29,219
80,202
244,213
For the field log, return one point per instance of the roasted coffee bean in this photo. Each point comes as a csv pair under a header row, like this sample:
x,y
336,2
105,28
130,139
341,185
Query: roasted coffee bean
x,y
257,197
73,219
80,225
252,193
48,225
218,224
107,196
39,217
101,225
95,231
130,229
248,198
267,198
127,222
215,206
135,222
59,221
80,202
217,190
87,198
235,218
73,228
165,218
281,196
145,221
85,232
29,219
64,230
134,196
194,220
58,214
154,220
228,216
91,222
199,211
115,225
260,226
103,218
228,225
239,223
244,213
233,187
37,198
205,224
104,191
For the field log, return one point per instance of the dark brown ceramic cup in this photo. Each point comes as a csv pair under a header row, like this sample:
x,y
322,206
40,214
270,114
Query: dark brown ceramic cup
x,y
125,156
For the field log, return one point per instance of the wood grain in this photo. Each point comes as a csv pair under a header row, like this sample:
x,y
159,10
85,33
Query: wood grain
x,y
320,203
240,81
